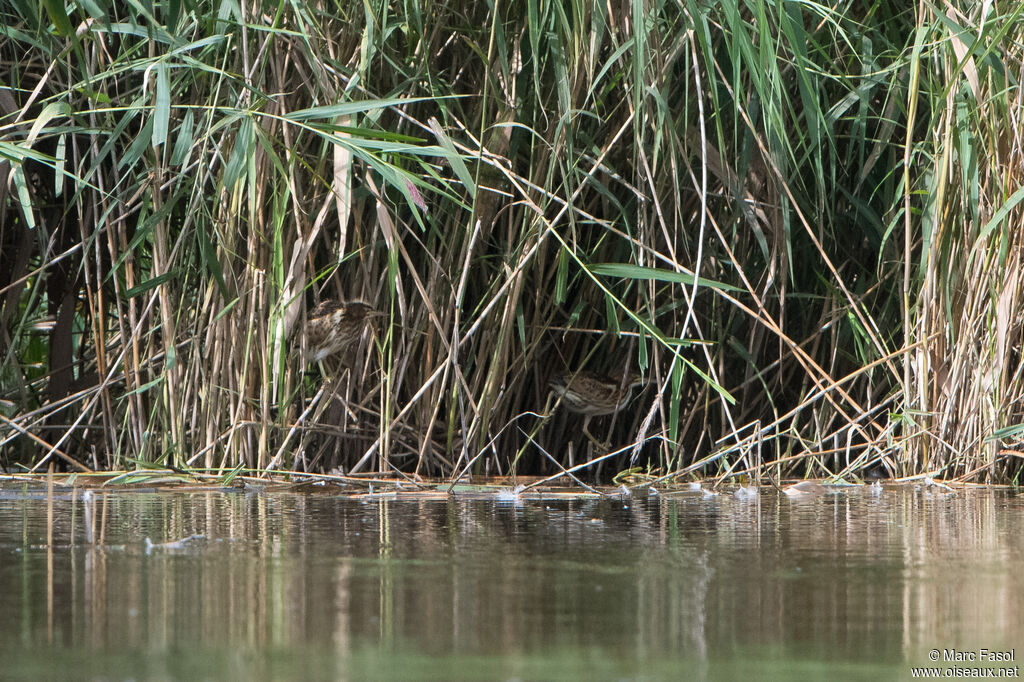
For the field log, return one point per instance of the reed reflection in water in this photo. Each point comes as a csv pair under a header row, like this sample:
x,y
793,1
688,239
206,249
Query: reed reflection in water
x,y
314,584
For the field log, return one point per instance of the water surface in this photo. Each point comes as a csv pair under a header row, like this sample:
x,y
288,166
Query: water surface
x,y
858,583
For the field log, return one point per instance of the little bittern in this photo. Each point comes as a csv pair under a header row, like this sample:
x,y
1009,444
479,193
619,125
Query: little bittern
x,y
593,394
334,326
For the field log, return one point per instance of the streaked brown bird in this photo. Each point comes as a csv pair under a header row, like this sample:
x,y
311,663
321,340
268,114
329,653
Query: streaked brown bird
x,y
334,326
593,394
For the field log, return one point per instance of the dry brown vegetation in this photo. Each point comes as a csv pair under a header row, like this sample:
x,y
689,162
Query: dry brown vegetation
x,y
521,191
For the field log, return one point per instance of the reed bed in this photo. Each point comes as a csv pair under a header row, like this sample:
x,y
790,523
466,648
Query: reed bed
x,y
800,222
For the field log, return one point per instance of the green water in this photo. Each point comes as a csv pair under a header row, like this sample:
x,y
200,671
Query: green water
x,y
855,584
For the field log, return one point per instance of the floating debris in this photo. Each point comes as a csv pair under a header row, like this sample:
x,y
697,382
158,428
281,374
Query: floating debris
x,y
173,544
804,489
746,492
932,483
511,495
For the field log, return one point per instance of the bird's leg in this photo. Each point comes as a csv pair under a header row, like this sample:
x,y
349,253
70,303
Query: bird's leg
x,y
601,444
334,383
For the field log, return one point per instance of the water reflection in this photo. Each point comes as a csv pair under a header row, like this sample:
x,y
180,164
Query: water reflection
x,y
221,583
